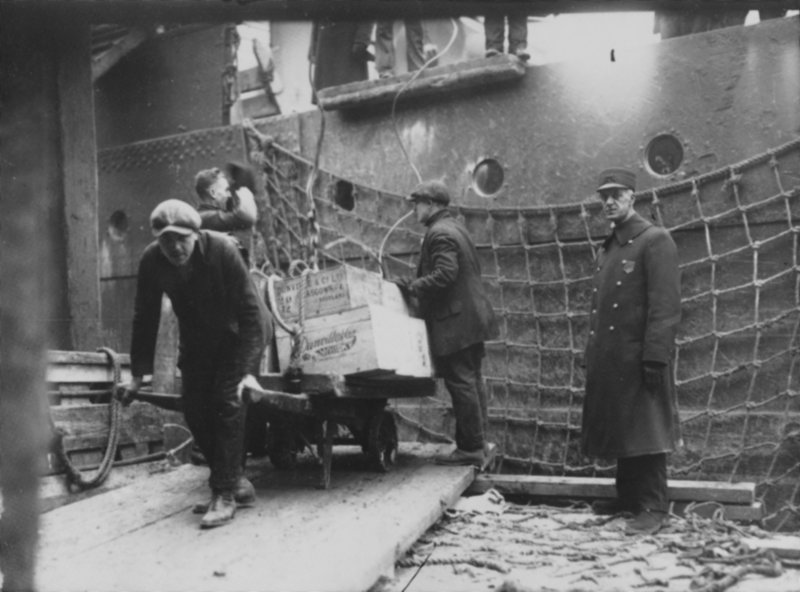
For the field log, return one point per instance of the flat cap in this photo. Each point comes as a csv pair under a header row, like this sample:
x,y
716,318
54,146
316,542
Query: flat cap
x,y
174,215
617,178
431,190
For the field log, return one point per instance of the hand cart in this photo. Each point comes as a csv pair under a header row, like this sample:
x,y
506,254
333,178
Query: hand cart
x,y
323,410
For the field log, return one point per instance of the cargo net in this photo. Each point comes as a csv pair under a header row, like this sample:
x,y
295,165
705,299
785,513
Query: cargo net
x,y
737,371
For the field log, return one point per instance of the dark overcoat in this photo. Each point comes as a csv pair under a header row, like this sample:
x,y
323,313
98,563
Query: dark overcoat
x,y
451,296
634,317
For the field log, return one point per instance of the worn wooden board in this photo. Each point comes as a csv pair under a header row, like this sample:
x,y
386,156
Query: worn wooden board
x,y
297,538
603,487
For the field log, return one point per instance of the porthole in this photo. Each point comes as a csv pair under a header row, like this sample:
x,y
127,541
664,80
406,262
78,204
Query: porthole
x,y
488,177
664,154
343,195
118,225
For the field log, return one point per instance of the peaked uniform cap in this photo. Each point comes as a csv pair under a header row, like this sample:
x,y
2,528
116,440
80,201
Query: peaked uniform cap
x,y
616,178
431,190
174,215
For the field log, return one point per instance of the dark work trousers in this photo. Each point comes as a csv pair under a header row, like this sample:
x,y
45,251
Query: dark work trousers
x,y
642,482
494,27
462,376
216,418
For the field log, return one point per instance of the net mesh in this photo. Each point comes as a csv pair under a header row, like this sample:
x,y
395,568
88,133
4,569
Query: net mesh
x,y
736,365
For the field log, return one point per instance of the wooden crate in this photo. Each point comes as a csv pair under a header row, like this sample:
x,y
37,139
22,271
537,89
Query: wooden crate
x,y
336,290
365,339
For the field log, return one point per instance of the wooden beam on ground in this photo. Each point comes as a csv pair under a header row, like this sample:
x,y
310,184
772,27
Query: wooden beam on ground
x,y
440,80
603,487
783,545
295,538
737,512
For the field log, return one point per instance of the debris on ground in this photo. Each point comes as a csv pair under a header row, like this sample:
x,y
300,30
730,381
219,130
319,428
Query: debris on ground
x,y
485,543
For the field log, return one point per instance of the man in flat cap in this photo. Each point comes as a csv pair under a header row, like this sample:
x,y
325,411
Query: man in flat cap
x,y
223,326
458,315
629,411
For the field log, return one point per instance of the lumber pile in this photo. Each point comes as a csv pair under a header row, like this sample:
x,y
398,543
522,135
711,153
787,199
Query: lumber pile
x,y
79,388
735,501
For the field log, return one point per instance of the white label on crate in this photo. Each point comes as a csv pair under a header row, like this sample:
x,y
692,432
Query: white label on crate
x,y
330,345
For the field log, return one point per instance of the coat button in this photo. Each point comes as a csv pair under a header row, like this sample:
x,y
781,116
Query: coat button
x,y
591,332
619,283
594,311
611,328
615,305
595,290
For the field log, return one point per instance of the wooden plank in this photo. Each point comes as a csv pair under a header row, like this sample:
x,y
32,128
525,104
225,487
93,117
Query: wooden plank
x,y
78,149
83,374
296,538
783,545
92,358
54,493
439,80
737,512
597,487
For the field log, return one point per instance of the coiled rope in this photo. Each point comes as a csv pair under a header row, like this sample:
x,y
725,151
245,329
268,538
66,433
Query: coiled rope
x,y
74,475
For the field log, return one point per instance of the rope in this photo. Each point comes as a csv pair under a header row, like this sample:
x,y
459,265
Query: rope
x,y
74,476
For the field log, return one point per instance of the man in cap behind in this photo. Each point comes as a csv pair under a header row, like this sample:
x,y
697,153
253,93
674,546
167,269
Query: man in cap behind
x,y
458,315
629,411
223,327
227,203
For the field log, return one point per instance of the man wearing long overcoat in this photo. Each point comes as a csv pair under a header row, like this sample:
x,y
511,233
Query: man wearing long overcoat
x,y
458,315
629,411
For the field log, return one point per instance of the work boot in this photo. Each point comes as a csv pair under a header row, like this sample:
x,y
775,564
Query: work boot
x,y
221,511
646,522
490,53
460,457
244,495
611,507
522,54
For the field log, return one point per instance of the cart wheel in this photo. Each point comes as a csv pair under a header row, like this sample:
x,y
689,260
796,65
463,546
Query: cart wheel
x,y
382,441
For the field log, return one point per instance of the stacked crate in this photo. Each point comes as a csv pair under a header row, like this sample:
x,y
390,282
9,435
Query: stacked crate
x,y
353,322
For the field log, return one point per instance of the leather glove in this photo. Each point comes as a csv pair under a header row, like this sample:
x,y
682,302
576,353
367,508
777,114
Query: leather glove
x,y
653,375
241,175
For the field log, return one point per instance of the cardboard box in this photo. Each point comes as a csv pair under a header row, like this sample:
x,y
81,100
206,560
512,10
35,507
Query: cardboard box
x,y
335,290
364,339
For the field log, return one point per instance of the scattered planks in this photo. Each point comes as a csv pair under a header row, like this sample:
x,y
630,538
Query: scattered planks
x,y
79,386
433,81
735,500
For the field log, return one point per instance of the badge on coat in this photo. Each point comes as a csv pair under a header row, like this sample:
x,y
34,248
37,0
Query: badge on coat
x,y
628,266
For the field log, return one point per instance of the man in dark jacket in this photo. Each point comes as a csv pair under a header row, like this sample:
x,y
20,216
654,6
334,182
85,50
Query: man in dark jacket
x,y
629,412
458,315
223,327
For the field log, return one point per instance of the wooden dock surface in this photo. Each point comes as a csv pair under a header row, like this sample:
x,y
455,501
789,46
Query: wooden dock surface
x,y
144,537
